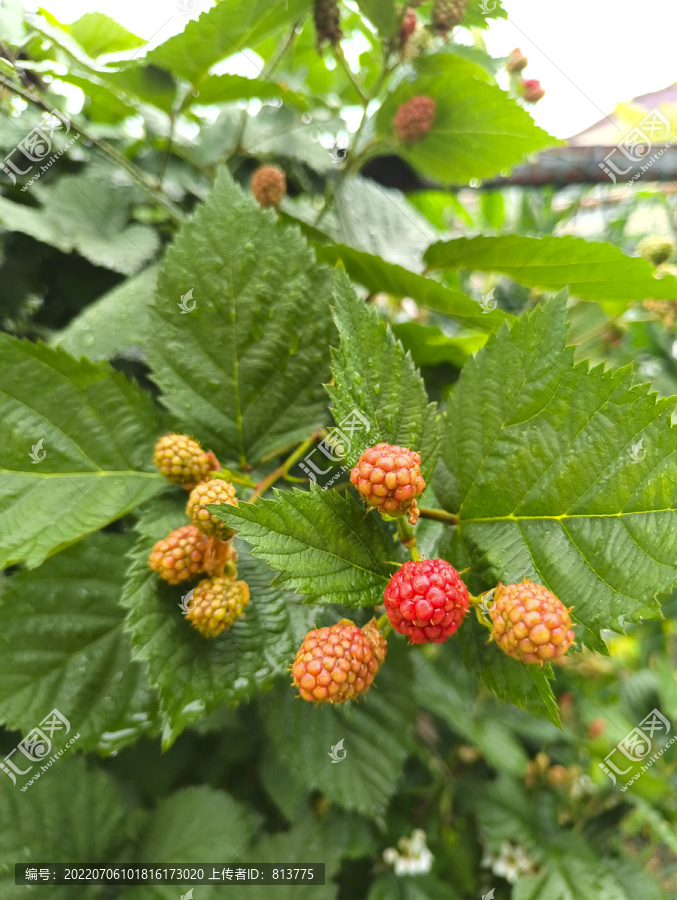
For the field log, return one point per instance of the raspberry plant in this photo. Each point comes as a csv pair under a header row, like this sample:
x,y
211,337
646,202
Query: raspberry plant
x,y
256,509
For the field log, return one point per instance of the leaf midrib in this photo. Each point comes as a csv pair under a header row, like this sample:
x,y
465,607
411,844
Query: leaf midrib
x,y
513,518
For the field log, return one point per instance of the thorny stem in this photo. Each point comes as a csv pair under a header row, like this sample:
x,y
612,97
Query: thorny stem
x,y
406,534
438,515
146,184
282,470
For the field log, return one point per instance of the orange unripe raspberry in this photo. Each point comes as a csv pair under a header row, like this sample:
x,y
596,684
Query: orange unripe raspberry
x,y
216,491
530,623
180,555
516,61
182,460
389,478
426,600
414,119
338,662
269,185
216,603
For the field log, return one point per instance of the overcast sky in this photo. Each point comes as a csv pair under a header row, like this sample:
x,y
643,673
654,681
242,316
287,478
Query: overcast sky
x,y
589,55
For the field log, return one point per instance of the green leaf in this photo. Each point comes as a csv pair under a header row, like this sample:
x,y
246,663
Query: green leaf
x,y
478,129
563,474
96,430
11,21
376,737
383,14
64,647
320,542
388,886
480,12
591,270
373,374
377,276
99,34
56,819
228,88
227,28
101,330
243,369
205,673
88,216
430,346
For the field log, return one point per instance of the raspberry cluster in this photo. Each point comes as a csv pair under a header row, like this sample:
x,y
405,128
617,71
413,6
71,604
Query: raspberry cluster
x,y
269,186
389,478
529,623
216,603
338,662
182,460
426,601
414,119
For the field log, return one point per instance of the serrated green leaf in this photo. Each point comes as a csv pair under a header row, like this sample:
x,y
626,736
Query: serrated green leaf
x,y
101,330
592,270
99,34
380,276
373,374
64,647
376,737
228,88
320,542
227,28
578,874
383,14
73,813
389,886
430,346
243,368
480,12
478,129
87,216
205,673
96,430
563,474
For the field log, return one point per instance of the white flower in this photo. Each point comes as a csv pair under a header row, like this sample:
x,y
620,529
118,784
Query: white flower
x,y
413,857
511,861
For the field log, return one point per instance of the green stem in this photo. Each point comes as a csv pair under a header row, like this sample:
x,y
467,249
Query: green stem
x,y
234,477
140,178
406,534
438,515
384,625
340,58
282,470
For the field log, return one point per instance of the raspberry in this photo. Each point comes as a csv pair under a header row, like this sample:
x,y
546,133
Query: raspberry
x,y
656,250
407,28
516,61
200,497
338,662
426,600
216,603
182,460
414,119
389,478
447,14
180,555
531,90
269,185
529,623
327,17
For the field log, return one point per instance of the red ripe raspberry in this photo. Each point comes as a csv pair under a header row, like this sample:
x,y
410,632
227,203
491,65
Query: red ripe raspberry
x,y
531,90
529,622
389,478
269,185
216,603
338,662
426,600
182,460
414,119
216,491
516,61
408,27
180,555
